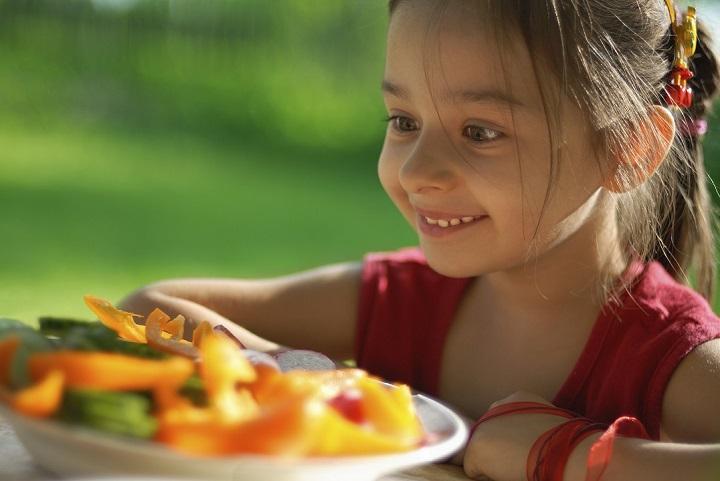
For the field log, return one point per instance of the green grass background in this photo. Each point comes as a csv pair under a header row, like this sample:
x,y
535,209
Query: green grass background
x,y
143,140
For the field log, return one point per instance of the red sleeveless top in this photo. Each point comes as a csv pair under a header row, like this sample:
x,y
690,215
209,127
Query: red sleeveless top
x,y
406,308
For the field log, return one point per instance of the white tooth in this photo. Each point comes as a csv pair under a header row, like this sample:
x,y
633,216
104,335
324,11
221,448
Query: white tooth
x,y
467,219
431,221
443,223
454,221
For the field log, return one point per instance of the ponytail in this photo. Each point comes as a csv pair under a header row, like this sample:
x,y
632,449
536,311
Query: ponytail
x,y
686,234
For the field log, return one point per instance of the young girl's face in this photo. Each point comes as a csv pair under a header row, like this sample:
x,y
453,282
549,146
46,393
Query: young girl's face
x,y
468,138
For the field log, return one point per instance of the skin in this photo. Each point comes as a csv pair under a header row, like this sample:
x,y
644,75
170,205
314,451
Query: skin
x,y
536,265
533,277
430,160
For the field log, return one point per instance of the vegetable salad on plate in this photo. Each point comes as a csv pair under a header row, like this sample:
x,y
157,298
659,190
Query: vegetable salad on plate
x,y
205,397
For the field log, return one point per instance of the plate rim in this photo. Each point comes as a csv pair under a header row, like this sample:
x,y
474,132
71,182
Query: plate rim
x,y
440,450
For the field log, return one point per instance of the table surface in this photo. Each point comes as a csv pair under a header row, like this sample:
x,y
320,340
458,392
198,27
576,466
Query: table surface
x,y
16,465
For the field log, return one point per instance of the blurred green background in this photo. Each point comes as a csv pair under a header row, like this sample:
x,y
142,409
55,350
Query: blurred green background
x,y
148,139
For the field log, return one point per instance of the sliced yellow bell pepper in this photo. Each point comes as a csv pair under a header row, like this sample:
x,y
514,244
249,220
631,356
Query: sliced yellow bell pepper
x,y
119,321
390,410
341,436
223,366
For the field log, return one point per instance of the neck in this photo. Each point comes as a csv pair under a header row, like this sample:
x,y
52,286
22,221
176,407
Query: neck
x,y
562,282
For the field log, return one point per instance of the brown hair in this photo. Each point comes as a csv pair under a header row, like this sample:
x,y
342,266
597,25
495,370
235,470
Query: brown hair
x,y
617,68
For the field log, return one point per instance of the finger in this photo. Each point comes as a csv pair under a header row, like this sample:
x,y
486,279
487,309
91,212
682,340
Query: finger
x,y
226,331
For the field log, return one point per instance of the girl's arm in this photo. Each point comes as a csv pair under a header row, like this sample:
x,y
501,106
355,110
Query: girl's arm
x,y
314,310
637,459
690,423
689,415
500,446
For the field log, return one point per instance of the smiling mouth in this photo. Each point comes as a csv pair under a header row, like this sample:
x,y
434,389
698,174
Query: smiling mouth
x,y
455,221
446,227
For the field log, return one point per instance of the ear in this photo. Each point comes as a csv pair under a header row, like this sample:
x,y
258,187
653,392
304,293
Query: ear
x,y
647,148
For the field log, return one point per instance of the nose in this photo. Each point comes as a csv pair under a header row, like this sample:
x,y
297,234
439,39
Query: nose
x,y
430,164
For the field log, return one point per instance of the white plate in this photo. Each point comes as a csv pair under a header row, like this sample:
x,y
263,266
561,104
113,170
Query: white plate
x,y
71,451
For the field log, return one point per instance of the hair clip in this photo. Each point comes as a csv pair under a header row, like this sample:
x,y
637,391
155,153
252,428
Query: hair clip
x,y
677,92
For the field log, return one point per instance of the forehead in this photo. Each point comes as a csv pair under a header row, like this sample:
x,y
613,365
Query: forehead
x,y
456,46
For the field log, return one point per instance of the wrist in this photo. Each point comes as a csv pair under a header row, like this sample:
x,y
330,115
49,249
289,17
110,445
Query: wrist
x,y
576,466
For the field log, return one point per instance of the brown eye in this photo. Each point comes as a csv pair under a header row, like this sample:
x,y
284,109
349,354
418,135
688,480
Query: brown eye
x,y
480,134
402,124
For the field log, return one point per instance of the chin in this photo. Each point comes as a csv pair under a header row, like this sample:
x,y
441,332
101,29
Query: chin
x,y
450,267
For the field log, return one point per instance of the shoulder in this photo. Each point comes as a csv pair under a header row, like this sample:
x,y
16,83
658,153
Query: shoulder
x,y
689,409
664,331
662,305
686,384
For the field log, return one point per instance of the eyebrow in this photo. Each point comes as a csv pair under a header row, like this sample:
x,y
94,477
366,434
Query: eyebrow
x,y
465,96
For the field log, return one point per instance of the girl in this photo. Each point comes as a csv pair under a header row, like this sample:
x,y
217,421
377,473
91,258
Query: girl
x,y
559,197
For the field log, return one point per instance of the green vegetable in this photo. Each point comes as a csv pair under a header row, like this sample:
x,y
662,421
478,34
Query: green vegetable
x,y
10,325
31,342
121,413
194,390
57,326
94,336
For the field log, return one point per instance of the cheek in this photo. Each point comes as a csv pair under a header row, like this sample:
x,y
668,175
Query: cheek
x,y
388,172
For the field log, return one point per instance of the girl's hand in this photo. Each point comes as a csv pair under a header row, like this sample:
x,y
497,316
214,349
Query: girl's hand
x,y
499,447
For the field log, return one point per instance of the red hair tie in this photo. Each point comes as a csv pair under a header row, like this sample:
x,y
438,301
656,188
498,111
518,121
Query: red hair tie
x,y
601,450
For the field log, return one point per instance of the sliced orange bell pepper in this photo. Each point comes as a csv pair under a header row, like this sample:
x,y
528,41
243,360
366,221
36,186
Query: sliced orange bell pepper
x,y
287,384
43,398
156,324
176,327
265,378
278,386
8,348
119,321
289,428
110,371
202,330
